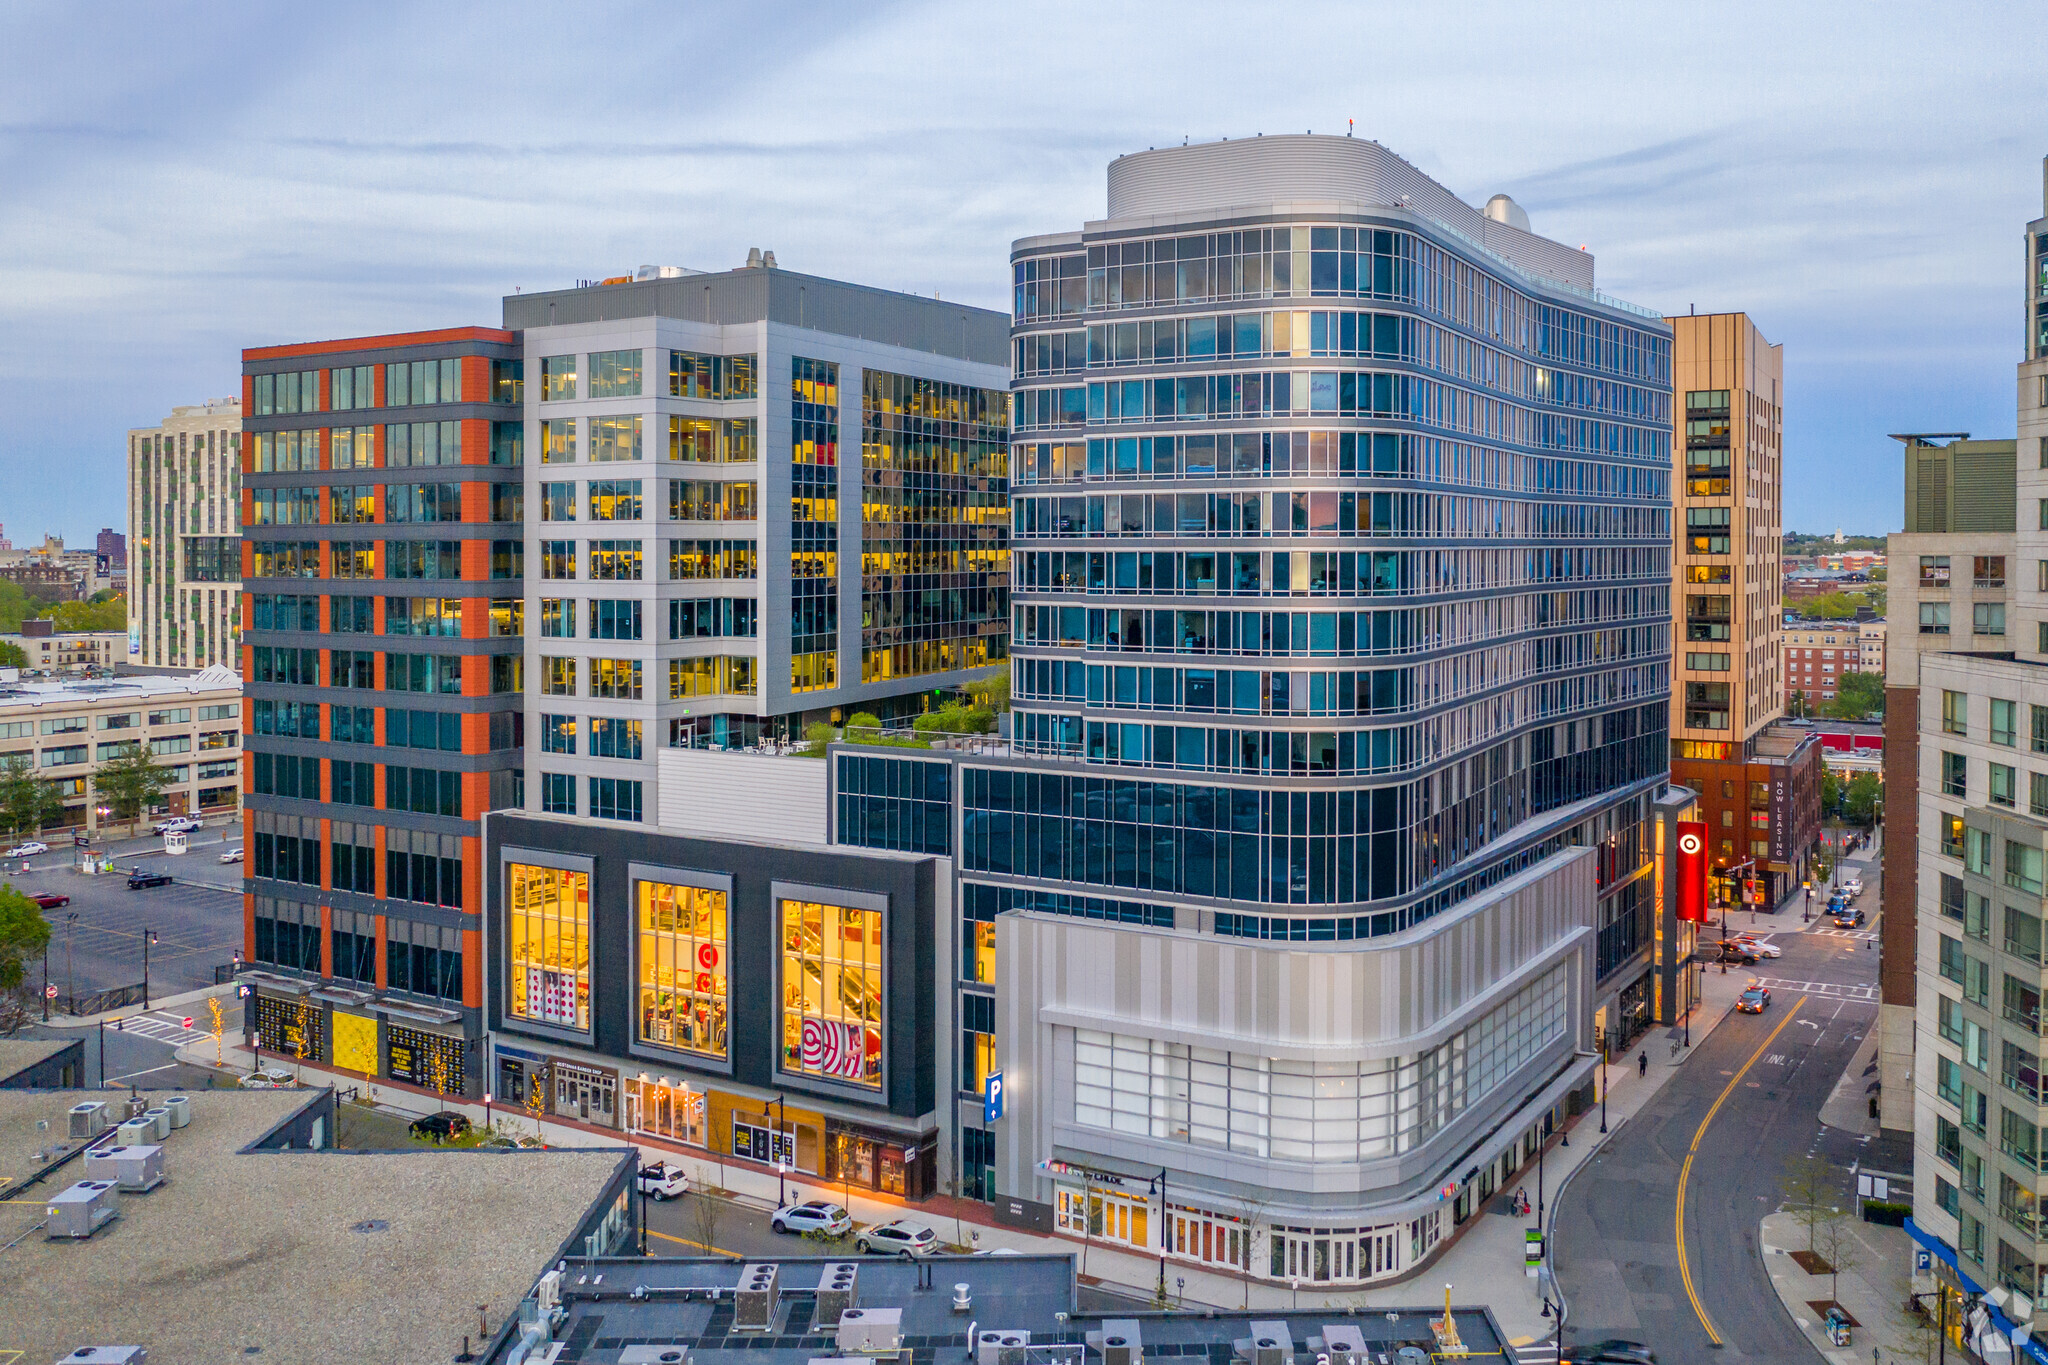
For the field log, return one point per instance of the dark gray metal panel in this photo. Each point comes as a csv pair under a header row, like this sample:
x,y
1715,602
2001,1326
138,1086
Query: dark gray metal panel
x,y
755,295
754,1027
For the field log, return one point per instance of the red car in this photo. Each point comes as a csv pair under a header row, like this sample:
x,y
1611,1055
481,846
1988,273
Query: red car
x,y
49,902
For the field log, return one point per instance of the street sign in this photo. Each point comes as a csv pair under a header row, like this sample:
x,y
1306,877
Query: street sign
x,y
992,1098
49,992
187,1021
1692,871
1532,1247
243,990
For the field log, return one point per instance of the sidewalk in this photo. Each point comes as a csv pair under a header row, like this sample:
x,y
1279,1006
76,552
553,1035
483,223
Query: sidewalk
x,y
1484,1260
1873,1287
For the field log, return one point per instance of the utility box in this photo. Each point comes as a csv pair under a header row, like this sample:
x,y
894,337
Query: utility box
x,y
136,1131
80,1211
754,1301
870,1331
159,1120
181,1110
107,1355
135,1170
838,1290
1121,1344
1001,1346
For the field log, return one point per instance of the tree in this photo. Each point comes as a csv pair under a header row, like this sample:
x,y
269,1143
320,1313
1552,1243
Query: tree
x,y
12,655
817,735
91,617
1808,1192
1857,695
131,781
1830,793
1836,1243
27,802
1860,801
24,936
993,692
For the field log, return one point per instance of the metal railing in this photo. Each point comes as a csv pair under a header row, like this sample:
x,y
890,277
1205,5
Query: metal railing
x,y
99,1002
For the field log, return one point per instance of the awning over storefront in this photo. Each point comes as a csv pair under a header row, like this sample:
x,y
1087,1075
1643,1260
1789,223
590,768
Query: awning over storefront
x,y
2020,1339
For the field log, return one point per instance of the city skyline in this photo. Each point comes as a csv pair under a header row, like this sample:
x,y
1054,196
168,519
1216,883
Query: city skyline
x,y
347,212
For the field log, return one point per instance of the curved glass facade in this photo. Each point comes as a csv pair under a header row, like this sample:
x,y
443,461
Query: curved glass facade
x,y
1356,539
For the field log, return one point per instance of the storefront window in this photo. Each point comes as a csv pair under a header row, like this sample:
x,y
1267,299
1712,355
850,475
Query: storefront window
x,y
832,992
550,938
666,1109
682,967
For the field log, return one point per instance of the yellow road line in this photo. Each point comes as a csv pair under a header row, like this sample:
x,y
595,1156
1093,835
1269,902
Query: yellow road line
x,y
1685,1171
715,1251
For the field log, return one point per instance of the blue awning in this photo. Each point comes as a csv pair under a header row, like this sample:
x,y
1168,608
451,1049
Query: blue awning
x,y
1946,1254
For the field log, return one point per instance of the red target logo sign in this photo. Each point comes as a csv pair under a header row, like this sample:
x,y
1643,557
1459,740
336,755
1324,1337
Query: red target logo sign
x,y
1692,872
707,956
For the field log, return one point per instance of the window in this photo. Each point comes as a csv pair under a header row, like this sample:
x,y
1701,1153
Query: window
x,y
557,794
558,559
423,381
440,616
1952,836
614,737
423,959
1955,713
557,677
422,867
692,375
2020,1071
618,679
1948,1140
558,440
508,675
714,675
832,992
548,938
2023,867
615,561
423,559
712,617
711,500
712,440
1954,775
423,673
2022,1003
353,856
508,443
423,791
423,730
2004,784
614,374
615,499
1934,618
1977,851
508,617
558,618
286,848
1988,618
2019,1138
351,387
702,559
977,1042
557,378
508,381
2037,794
422,443
614,620
1988,571
2004,726
352,784
2023,934
614,438
682,967
557,734
297,391
1933,571
614,798
558,501
288,935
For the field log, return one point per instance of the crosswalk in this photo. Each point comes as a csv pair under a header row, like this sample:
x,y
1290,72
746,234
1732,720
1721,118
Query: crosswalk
x,y
1865,934
1829,990
166,1028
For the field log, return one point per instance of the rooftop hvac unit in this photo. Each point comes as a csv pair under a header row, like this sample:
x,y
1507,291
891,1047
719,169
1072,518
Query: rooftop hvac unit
x,y
870,1331
135,1132
135,1170
181,1110
159,1120
755,1297
81,1211
654,1355
838,1290
1272,1344
1001,1347
89,1120
107,1355
1120,1342
1345,1343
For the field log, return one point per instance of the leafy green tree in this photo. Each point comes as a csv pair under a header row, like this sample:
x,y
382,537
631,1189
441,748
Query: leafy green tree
x,y
12,655
130,781
91,617
1857,695
27,802
817,735
1836,606
993,692
1860,800
24,935
1830,793
13,606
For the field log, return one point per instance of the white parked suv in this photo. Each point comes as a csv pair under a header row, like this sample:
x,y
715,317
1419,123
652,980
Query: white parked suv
x,y
664,1180
179,824
899,1238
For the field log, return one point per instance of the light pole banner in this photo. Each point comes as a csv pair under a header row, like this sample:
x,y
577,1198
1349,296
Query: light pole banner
x,y
1692,871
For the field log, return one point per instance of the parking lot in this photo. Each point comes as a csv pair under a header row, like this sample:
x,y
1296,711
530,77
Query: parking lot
x,y
96,940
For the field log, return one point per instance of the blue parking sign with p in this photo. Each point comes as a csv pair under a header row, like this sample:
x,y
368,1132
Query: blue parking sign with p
x,y
992,1098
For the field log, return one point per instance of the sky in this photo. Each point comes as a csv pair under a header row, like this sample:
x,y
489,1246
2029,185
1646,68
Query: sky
x,y
179,181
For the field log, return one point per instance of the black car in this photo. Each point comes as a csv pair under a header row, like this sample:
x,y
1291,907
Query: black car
x,y
137,880
445,1126
1621,1352
1731,950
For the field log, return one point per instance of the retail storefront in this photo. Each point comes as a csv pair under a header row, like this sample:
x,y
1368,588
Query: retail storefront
x,y
874,1159
663,1107
363,1033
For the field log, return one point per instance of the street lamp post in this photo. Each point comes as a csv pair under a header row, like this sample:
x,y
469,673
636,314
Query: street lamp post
x,y
1603,1085
1165,1231
775,1151
148,937
70,921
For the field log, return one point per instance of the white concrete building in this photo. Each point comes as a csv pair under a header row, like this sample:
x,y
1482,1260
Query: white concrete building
x,y
184,538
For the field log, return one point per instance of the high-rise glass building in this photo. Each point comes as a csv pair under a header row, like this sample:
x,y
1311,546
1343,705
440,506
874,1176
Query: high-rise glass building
x,y
1341,657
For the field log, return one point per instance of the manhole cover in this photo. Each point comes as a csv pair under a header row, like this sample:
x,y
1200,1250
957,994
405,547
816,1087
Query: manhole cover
x,y
369,1225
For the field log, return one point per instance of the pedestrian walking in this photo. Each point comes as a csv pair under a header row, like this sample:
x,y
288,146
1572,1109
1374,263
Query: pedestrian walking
x,y
1643,1063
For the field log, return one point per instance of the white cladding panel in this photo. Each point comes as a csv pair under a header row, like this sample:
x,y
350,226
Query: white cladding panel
x,y
743,796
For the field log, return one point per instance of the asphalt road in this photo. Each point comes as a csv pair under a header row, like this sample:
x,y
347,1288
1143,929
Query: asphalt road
x,y
696,1226
1616,1251
197,927
141,1049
